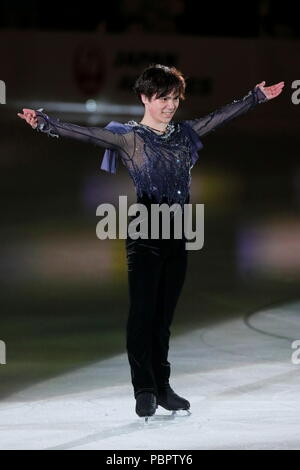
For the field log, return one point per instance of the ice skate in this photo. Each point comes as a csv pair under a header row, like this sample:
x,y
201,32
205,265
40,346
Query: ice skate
x,y
146,404
169,400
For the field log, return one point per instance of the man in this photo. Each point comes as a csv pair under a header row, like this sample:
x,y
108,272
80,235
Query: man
x,y
159,155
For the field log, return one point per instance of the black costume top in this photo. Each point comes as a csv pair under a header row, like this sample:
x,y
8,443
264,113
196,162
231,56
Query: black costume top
x,y
159,165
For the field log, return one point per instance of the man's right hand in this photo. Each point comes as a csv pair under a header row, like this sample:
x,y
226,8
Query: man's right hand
x,y
30,117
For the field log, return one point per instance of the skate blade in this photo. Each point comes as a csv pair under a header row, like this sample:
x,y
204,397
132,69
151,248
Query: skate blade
x,y
181,413
147,419
174,414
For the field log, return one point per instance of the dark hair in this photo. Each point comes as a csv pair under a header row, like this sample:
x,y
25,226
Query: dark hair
x,y
160,80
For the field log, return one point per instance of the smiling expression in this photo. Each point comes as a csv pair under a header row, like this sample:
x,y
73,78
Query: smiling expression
x,y
161,110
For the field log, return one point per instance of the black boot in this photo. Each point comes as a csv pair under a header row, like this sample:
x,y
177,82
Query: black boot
x,y
169,400
146,404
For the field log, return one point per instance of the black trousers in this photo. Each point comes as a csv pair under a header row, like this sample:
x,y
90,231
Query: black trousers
x,y
156,274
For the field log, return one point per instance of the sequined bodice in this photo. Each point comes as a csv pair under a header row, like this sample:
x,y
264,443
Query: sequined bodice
x,y
161,164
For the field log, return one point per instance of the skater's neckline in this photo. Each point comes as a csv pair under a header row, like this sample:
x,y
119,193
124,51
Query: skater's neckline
x,y
169,129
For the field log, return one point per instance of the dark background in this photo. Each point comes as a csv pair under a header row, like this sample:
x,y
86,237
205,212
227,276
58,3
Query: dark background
x,y
236,19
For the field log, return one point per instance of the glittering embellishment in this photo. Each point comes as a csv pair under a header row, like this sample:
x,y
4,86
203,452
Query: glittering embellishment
x,y
165,172
43,124
169,129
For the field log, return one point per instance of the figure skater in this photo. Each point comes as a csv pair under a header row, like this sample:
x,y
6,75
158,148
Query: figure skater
x,y
159,154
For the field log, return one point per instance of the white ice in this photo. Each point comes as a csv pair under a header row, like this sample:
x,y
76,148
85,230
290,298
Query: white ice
x,y
238,376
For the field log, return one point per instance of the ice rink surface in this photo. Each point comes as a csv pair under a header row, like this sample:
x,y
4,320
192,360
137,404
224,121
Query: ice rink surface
x,y
238,375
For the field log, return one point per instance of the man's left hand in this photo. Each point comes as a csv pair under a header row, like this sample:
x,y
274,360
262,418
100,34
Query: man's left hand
x,y
271,91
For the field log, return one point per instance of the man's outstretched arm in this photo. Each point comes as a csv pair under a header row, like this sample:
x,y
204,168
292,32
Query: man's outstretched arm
x,y
55,128
218,118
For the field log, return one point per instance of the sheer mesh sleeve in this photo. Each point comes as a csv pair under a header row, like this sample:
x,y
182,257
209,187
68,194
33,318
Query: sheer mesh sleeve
x,y
96,135
218,118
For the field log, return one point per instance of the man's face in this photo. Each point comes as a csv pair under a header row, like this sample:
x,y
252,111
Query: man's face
x,y
161,109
